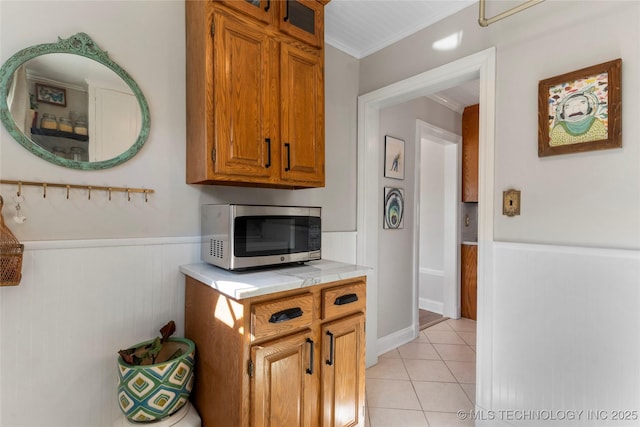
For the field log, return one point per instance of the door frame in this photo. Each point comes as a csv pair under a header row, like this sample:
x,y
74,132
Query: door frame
x,y
452,143
369,198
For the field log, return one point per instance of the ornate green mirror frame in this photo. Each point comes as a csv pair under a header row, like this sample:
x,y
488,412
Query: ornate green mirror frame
x,y
78,44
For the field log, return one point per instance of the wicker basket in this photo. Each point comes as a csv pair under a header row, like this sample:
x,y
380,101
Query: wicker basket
x,y
11,251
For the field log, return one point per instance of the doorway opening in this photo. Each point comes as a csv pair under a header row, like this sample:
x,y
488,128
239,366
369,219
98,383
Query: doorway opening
x,y
481,64
436,224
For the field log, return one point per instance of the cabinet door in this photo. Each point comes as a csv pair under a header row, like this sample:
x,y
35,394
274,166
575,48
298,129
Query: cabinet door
x,y
302,119
243,100
343,372
469,281
284,385
470,125
259,9
303,19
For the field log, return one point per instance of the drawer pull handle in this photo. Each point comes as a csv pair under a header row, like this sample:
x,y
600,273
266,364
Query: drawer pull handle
x,y
329,361
346,299
284,315
312,345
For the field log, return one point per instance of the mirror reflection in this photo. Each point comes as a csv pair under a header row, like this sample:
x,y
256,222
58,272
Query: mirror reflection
x,y
74,107
70,104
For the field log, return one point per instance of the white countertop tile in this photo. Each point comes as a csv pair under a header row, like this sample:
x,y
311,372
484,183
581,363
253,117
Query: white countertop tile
x,y
264,281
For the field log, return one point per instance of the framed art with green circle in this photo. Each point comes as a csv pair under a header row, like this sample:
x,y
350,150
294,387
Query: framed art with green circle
x,y
581,110
393,208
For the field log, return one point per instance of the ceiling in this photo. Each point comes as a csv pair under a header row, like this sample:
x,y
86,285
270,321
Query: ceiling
x,y
362,27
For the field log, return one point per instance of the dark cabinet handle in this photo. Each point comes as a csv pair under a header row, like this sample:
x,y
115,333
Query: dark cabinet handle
x,y
266,9
312,345
286,14
329,361
284,315
268,141
346,299
288,147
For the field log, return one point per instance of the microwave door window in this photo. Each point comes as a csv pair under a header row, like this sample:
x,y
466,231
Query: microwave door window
x,y
257,236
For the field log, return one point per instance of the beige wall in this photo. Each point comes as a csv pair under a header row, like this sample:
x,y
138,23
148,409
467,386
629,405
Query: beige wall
x,y
147,39
590,199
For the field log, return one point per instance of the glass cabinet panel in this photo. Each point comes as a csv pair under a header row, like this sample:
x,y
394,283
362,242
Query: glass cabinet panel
x,y
260,9
303,20
301,16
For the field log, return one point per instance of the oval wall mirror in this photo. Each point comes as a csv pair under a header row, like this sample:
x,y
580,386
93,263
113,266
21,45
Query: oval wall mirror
x,y
70,104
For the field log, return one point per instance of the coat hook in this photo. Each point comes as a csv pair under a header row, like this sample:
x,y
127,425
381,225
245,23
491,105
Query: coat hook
x,y
128,195
19,189
89,188
146,196
109,193
44,190
68,187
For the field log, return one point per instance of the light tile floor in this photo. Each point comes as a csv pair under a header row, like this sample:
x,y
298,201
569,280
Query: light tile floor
x,y
426,382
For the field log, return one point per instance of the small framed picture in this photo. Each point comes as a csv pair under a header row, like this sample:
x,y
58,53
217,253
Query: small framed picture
x,y
581,110
393,208
393,157
51,95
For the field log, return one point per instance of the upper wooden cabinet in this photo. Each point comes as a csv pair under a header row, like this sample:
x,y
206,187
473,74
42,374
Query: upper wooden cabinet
x,y
255,93
470,126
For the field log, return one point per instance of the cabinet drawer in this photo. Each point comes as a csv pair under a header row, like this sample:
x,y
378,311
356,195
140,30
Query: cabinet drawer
x,y
343,299
281,316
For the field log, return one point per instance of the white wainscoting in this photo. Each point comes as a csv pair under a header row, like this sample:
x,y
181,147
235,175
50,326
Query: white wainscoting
x,y
80,302
560,333
430,287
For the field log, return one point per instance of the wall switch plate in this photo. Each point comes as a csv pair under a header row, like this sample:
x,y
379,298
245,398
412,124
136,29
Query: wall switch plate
x,y
511,202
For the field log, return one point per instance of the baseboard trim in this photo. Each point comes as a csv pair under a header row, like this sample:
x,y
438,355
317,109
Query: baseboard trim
x,y
396,339
431,305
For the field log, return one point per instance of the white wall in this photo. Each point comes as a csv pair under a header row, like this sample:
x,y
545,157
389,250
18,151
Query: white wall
x,y
544,313
100,275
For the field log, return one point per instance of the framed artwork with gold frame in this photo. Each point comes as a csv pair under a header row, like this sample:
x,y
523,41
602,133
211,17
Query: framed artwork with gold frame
x,y
581,110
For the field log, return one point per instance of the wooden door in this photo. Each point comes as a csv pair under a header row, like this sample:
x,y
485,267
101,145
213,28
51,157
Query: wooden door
x,y
245,134
302,118
284,385
468,281
343,372
470,128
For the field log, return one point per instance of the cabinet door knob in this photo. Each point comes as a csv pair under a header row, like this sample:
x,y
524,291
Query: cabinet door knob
x,y
329,361
268,141
311,347
288,147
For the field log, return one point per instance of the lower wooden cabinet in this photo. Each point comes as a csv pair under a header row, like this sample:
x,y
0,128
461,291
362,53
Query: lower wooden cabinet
x,y
290,359
283,382
342,375
469,281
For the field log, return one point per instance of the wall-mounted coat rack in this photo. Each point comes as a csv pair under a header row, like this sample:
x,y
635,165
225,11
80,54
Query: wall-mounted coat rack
x,y
69,187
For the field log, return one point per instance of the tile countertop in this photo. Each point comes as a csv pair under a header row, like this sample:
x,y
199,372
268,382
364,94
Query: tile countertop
x,y
264,281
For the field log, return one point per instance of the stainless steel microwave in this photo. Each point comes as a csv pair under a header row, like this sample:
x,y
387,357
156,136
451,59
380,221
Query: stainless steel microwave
x,y
244,236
